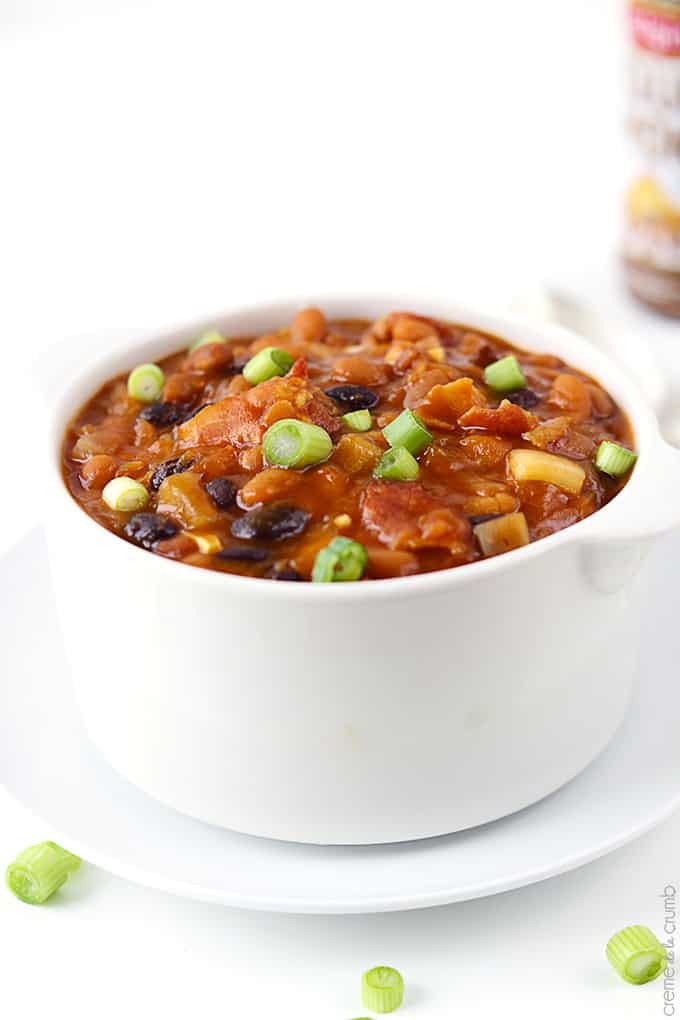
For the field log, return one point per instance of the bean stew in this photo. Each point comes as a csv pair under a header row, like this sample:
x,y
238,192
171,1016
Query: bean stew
x,y
346,450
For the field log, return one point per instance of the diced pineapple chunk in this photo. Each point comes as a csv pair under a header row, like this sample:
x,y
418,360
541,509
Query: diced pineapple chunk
x,y
538,466
502,534
207,544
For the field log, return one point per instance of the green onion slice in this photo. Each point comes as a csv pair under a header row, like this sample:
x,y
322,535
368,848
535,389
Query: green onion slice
x,y
382,989
398,465
342,560
39,871
358,421
266,364
145,383
505,375
296,444
408,431
125,494
636,954
211,336
613,459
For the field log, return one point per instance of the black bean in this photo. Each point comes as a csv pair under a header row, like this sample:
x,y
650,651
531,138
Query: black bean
x,y
170,467
163,415
243,552
525,398
277,521
286,573
222,491
481,518
148,529
353,398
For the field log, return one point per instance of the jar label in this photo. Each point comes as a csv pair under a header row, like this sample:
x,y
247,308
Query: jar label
x,y
652,232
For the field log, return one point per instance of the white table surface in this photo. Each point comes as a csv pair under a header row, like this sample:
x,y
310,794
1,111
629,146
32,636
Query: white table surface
x,y
163,160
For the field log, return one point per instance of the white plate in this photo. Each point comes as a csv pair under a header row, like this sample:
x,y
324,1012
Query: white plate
x,y
49,765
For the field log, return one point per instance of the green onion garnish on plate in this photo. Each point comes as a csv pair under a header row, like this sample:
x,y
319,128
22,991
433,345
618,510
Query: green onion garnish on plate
x,y
358,421
613,459
267,363
145,383
408,430
211,336
125,494
382,989
39,871
636,954
290,443
342,560
397,465
505,375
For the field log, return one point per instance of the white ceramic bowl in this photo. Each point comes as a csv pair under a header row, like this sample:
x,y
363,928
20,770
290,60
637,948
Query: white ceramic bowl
x,y
365,713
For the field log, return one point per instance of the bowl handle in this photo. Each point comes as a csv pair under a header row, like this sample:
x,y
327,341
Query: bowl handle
x,y
657,510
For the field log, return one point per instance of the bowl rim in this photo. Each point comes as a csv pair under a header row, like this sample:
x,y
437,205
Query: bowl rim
x,y
259,317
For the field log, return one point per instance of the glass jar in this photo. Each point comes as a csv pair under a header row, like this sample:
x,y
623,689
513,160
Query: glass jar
x,y
651,248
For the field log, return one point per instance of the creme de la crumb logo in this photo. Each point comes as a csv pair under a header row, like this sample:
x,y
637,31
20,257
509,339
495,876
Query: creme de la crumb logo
x,y
669,896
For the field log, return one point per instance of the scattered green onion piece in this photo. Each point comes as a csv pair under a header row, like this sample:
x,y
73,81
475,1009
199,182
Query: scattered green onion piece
x,y
398,465
39,871
211,336
358,421
636,954
505,375
296,444
342,560
613,459
408,431
266,364
145,383
125,494
382,989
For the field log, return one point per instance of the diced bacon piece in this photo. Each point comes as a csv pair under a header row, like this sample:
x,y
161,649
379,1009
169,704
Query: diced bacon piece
x,y
310,402
559,436
404,516
505,420
423,378
444,405
242,420
232,420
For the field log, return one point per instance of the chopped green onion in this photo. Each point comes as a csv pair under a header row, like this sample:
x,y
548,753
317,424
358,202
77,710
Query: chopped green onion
x,y
398,465
296,444
125,494
505,375
613,459
342,560
382,989
358,421
145,383
266,364
39,871
211,336
636,954
408,431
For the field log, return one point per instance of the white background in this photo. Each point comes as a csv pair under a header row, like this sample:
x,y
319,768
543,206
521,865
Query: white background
x,y
159,161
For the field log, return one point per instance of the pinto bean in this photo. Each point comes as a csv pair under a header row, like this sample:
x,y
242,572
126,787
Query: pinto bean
x,y
309,326
98,471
